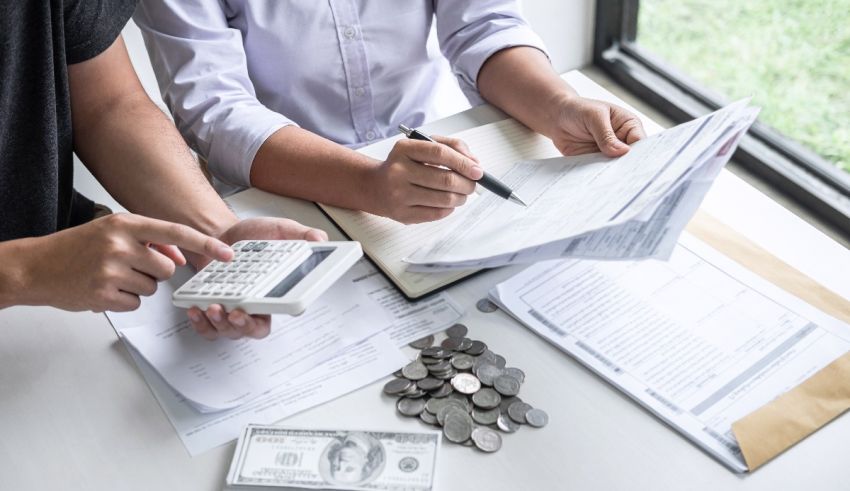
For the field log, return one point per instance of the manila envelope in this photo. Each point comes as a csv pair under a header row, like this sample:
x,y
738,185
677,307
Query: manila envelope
x,y
791,417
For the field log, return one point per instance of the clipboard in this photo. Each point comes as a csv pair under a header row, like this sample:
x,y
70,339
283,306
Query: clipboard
x,y
782,423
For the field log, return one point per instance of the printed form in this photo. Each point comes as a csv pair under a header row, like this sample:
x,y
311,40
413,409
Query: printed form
x,y
347,339
699,341
226,373
498,146
634,206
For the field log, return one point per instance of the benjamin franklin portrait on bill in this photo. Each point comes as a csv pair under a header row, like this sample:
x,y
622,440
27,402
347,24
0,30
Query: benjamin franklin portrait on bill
x,y
352,458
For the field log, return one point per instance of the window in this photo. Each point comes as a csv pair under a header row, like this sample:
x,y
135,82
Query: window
x,y
688,57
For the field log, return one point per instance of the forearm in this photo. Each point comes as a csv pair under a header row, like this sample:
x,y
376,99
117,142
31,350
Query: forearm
x,y
134,150
522,82
137,154
295,162
14,288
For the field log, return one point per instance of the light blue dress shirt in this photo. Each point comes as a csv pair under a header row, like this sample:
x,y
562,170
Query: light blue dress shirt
x,y
233,72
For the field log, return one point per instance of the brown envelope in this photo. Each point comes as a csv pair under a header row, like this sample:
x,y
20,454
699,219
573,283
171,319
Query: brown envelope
x,y
791,417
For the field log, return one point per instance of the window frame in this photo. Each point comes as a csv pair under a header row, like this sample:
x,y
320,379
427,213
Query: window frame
x,y
788,166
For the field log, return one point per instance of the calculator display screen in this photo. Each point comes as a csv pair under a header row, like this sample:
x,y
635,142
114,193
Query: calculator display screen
x,y
299,273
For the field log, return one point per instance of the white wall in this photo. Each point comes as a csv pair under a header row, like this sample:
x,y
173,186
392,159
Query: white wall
x,y
566,27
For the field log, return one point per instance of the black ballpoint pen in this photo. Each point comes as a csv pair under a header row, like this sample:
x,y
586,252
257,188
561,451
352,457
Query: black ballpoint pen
x,y
487,181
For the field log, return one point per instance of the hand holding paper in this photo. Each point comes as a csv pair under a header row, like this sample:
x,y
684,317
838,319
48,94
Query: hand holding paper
x,y
631,207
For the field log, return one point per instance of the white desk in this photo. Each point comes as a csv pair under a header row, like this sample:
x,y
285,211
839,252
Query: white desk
x,y
75,413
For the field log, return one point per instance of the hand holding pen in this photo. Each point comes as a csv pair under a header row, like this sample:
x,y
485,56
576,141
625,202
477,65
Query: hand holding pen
x,y
487,181
404,189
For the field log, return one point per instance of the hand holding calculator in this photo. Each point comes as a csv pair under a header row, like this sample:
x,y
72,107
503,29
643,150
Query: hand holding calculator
x,y
270,276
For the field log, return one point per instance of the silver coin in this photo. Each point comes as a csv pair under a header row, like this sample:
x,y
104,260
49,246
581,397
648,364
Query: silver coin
x,y
506,424
415,394
506,385
486,306
427,360
445,410
466,383
443,391
488,373
506,403
462,361
433,406
457,427
398,373
410,407
429,383
486,439
517,411
410,390
452,343
439,352
432,352
465,344
485,416
423,343
486,398
415,370
457,331
500,361
476,348
462,399
397,386
486,357
515,373
442,366
428,418
446,375
537,418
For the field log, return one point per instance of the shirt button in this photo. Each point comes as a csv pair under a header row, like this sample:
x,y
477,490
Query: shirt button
x,y
349,32
370,135
359,91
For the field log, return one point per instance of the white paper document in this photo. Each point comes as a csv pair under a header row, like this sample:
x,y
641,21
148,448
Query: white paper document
x,y
498,145
699,341
632,207
361,313
223,374
355,367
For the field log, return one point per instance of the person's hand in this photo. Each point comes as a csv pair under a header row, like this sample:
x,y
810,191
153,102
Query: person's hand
x,y
216,322
582,125
107,264
410,192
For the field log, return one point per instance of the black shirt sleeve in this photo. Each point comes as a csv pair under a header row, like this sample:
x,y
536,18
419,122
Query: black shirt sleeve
x,y
91,26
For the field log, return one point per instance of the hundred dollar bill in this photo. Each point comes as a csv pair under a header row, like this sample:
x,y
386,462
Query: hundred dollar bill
x,y
278,457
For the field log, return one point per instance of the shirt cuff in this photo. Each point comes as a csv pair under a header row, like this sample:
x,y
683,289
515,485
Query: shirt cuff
x,y
236,141
468,64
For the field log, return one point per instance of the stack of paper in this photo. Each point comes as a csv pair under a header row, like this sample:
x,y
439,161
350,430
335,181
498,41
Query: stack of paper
x,y
700,341
590,206
210,390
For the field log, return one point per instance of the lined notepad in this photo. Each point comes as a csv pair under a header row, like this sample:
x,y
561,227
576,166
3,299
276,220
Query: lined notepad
x,y
387,242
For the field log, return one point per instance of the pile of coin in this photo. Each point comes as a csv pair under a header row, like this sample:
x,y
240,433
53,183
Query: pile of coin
x,y
464,388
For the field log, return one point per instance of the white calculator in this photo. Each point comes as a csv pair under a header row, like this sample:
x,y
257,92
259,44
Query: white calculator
x,y
270,276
